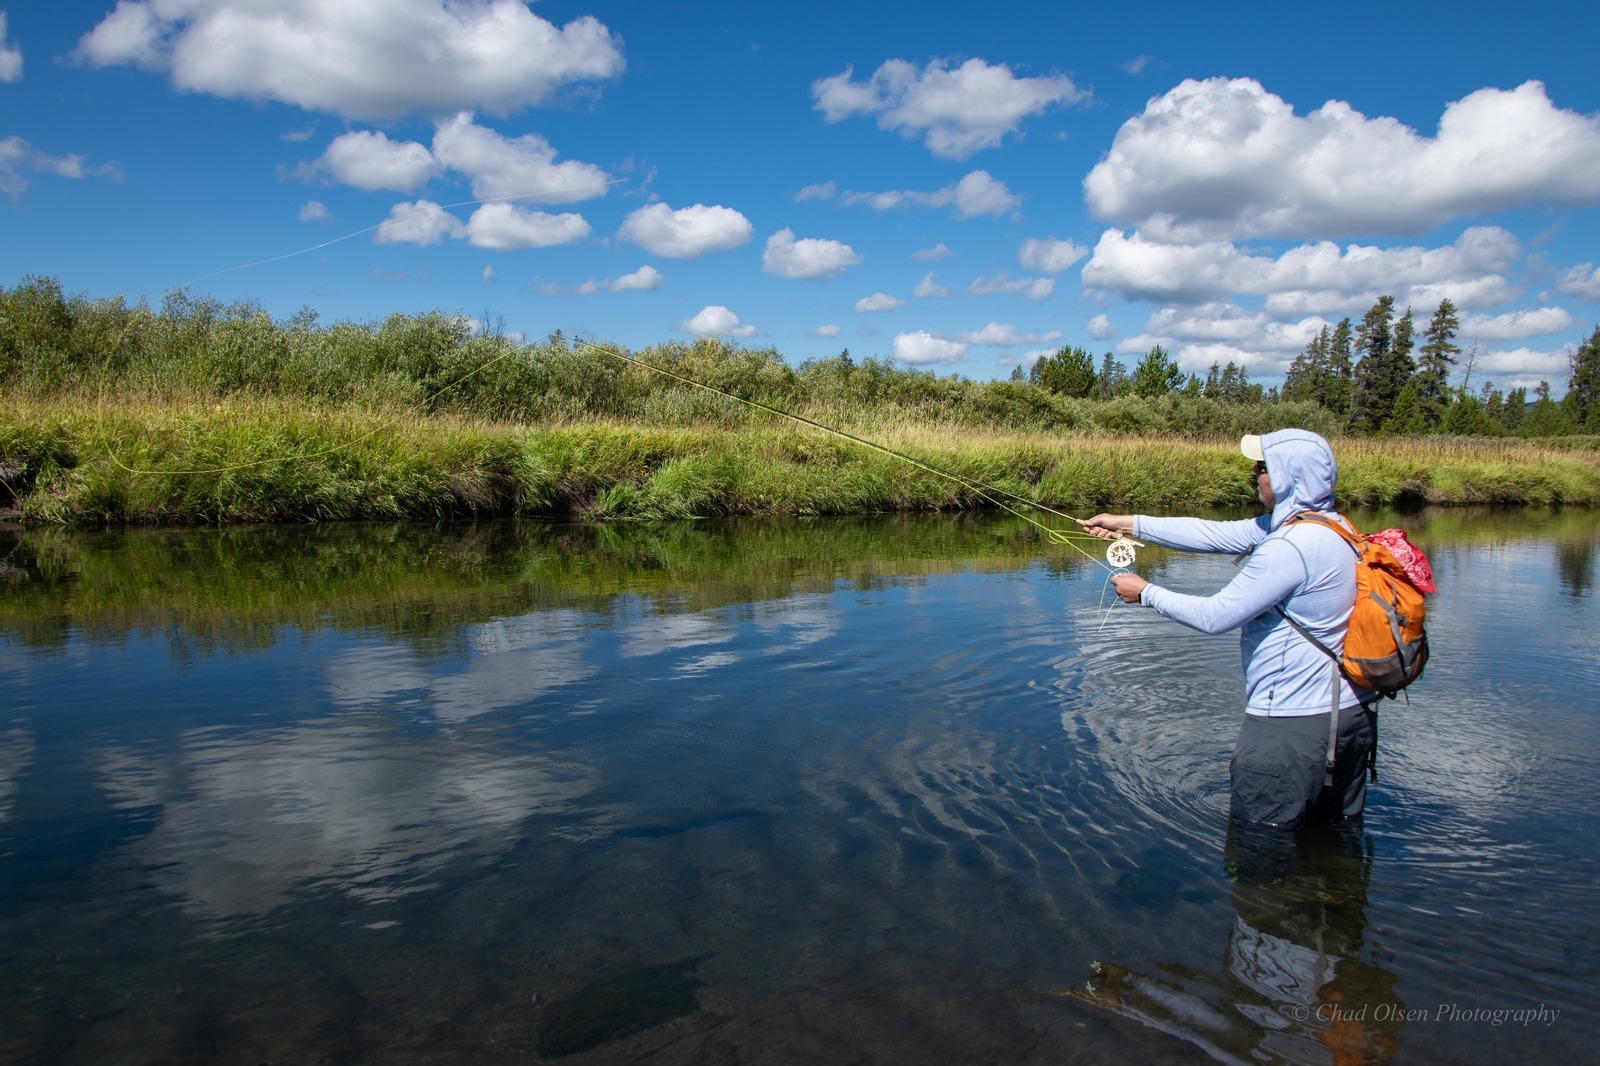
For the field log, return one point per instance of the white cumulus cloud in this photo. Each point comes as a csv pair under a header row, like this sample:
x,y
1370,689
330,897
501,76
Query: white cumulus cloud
x,y
1050,256
924,347
955,111
506,227
937,252
421,223
808,257
1582,281
827,330
1226,159
369,160
928,289
499,167
644,279
979,193
362,59
1223,332
17,157
821,191
1522,367
1514,325
315,211
1004,284
1307,277
523,167
718,321
686,233
1101,328
10,56
878,301
1005,335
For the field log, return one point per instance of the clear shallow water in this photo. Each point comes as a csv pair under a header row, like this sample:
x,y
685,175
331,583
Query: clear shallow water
x,y
761,792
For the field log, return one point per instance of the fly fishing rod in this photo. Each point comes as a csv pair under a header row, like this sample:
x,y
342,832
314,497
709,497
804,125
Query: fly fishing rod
x,y
1120,553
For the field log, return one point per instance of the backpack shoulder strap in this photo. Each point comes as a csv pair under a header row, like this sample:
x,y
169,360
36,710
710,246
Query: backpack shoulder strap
x,y
1341,527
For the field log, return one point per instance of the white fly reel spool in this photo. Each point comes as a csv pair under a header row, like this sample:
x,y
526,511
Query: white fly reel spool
x,y
1120,554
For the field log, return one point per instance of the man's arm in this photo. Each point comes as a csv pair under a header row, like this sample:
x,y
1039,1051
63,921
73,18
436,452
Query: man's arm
x,y
1267,579
1185,534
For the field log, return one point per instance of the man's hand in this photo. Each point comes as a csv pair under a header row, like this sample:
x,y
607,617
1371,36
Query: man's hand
x,y
1110,526
1128,586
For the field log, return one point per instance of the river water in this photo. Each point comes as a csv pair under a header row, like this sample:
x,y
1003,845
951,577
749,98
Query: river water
x,y
891,790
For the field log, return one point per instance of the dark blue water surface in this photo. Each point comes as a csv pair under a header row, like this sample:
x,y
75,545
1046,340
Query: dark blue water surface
x,y
893,791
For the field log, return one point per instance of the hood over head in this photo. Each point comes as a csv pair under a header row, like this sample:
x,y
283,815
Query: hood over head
x,y
1301,467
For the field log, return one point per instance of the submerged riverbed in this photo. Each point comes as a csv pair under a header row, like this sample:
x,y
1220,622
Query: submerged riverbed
x,y
900,789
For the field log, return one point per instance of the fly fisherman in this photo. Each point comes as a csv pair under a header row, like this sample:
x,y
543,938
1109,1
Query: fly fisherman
x,y
1279,766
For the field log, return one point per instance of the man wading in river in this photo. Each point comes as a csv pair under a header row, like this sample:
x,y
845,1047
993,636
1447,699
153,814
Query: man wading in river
x,y
1278,767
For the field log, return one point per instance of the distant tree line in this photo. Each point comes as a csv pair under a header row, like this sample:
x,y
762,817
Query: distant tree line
x,y
1368,379
1373,378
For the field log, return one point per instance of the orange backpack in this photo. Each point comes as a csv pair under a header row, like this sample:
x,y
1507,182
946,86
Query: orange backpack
x,y
1386,646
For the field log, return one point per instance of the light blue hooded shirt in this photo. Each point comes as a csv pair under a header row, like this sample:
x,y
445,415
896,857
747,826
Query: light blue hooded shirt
x,y
1307,568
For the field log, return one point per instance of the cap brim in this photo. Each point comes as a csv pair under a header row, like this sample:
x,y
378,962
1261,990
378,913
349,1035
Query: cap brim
x,y
1250,444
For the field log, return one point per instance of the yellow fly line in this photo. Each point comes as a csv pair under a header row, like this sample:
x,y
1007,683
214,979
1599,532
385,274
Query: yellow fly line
x,y
1120,554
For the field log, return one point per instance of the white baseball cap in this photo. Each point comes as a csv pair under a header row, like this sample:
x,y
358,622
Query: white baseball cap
x,y
1250,444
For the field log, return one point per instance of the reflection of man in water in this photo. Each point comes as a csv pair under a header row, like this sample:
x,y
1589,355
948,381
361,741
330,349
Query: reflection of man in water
x,y
1297,986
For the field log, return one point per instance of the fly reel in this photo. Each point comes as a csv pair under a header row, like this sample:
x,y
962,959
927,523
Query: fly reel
x,y
1120,554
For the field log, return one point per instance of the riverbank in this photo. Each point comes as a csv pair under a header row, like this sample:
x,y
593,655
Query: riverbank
x,y
78,462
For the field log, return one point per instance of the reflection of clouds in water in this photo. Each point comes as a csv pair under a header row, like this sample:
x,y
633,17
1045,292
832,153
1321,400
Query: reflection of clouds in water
x,y
798,622
16,752
244,821
791,624
654,634
512,662
369,675
707,663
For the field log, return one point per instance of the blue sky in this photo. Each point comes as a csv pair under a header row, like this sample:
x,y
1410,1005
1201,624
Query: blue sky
x,y
958,187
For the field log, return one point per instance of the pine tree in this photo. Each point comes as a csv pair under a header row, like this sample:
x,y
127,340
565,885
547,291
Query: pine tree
x,y
1228,383
1398,369
1495,407
1069,372
1546,417
1467,418
1438,355
1407,418
1248,393
1306,379
1583,386
1112,377
1376,385
1339,389
1156,374
1515,410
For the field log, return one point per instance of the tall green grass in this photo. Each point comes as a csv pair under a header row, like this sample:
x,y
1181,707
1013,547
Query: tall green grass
x,y
196,349
268,460
202,413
